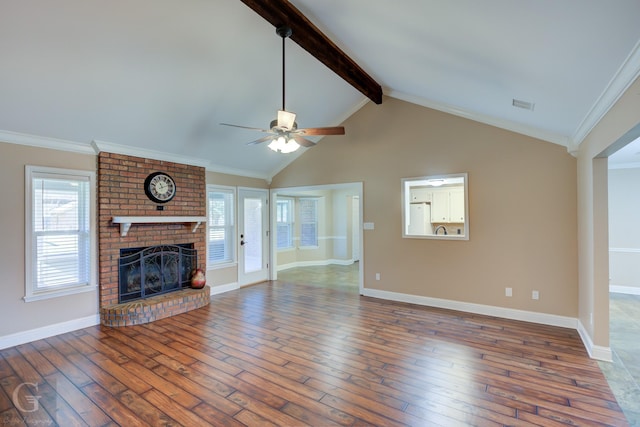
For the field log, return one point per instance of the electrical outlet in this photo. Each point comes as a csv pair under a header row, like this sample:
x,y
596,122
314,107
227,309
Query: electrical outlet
x,y
508,292
535,295
377,276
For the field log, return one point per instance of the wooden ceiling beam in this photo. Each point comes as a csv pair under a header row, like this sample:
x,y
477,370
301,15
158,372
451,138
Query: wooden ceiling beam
x,y
311,39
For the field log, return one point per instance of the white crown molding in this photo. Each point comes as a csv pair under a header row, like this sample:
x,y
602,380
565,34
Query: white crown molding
x,y
48,331
96,146
126,150
45,142
622,79
481,118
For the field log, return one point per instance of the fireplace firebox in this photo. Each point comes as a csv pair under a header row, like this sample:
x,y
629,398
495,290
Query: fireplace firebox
x,y
154,270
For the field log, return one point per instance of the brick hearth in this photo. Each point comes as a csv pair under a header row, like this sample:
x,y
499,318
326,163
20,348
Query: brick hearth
x,y
158,307
121,193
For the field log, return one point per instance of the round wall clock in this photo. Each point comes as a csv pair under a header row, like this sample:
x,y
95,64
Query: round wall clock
x,y
159,187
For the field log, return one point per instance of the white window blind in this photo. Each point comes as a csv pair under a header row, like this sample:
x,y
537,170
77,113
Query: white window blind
x,y
284,222
308,222
221,226
59,235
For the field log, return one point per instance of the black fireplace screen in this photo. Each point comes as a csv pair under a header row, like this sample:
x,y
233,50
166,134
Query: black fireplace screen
x,y
155,270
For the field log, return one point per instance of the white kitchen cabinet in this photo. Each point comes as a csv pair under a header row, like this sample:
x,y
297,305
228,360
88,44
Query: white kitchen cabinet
x,y
440,206
421,195
447,206
456,205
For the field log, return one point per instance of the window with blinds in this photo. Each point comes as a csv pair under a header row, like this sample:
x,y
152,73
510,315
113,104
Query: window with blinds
x,y
59,236
308,222
284,223
221,226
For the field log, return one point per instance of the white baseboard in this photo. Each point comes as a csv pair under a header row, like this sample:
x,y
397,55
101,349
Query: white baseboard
x,y
220,289
597,352
629,290
489,310
322,262
48,331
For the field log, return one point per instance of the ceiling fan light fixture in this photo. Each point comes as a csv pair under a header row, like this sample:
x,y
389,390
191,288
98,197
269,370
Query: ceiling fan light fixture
x,y
284,145
285,136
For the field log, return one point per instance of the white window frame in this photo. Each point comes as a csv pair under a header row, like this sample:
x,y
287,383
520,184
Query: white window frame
x,y
290,223
315,200
212,265
32,291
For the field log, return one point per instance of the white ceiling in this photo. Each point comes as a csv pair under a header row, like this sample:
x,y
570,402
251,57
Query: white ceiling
x,y
156,77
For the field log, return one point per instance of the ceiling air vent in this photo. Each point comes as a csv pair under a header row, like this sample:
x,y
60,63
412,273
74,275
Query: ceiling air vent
x,y
523,104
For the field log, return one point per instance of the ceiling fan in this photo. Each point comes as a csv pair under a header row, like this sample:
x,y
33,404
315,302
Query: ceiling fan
x,y
284,134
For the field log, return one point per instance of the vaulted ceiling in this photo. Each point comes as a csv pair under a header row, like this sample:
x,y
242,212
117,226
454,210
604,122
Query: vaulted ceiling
x,y
156,77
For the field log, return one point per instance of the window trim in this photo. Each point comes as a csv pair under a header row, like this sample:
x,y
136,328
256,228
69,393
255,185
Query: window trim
x,y
31,291
316,201
233,250
292,222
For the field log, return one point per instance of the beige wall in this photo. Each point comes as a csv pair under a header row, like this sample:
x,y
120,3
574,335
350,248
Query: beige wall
x,y
44,313
522,214
217,178
609,134
17,315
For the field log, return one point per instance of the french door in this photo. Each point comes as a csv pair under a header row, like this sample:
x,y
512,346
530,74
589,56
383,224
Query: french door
x,y
253,236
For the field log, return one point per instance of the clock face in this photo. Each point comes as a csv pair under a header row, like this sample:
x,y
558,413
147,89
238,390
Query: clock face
x,y
160,187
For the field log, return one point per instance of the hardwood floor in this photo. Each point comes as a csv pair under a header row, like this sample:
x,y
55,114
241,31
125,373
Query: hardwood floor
x,y
289,354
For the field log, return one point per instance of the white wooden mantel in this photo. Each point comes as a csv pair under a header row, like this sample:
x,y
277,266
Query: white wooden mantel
x,y
126,221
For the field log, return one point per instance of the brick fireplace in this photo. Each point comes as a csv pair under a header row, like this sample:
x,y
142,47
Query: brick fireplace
x,y
121,194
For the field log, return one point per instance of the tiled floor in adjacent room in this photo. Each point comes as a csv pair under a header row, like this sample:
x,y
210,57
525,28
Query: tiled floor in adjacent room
x,y
623,374
323,275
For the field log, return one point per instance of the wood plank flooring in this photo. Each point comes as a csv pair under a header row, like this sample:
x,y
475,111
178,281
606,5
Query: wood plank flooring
x,y
288,354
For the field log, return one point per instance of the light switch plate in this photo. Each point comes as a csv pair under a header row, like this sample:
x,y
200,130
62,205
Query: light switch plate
x,y
368,226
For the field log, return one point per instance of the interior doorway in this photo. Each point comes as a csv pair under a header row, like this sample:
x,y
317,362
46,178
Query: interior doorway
x,y
317,235
624,277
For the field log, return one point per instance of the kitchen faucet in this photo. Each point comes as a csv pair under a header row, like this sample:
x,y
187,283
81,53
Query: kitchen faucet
x,y
438,228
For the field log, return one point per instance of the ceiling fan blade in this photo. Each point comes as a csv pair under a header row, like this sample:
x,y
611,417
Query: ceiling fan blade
x,y
304,142
247,127
286,119
336,130
261,140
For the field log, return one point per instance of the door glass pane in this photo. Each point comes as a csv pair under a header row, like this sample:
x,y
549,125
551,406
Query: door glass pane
x,y
252,235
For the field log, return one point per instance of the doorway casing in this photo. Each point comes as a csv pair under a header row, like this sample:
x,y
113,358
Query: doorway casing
x,y
356,187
